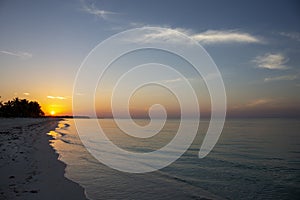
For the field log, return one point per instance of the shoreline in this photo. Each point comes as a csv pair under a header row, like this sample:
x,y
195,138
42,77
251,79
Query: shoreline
x,y
30,168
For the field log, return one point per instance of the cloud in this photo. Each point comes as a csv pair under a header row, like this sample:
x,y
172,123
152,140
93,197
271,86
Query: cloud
x,y
79,94
93,10
254,103
161,35
22,55
26,93
281,78
271,61
174,35
173,80
136,24
56,97
258,102
225,36
291,35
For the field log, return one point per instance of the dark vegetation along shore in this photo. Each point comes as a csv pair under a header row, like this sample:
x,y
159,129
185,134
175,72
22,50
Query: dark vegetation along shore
x,y
25,108
20,108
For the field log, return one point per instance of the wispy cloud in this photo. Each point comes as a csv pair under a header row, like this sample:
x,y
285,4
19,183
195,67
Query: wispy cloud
x,y
79,94
291,35
258,102
271,61
173,80
136,24
56,97
22,55
162,35
205,38
225,36
26,93
281,78
93,10
254,103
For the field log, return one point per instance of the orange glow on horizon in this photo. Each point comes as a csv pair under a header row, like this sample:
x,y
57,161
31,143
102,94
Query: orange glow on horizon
x,y
57,109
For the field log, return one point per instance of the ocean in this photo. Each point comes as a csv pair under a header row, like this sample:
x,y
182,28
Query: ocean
x,y
253,159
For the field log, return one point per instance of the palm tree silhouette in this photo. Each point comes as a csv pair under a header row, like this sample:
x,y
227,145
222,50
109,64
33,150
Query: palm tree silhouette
x,y
20,108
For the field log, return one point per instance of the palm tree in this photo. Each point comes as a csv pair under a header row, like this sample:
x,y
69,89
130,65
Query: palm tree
x,y
20,108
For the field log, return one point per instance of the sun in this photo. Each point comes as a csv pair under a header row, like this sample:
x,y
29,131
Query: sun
x,y
52,112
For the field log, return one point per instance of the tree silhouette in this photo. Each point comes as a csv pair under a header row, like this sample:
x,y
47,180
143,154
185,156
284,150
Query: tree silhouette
x,y
20,108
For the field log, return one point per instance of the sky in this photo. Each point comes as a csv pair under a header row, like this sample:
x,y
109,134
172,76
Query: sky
x,y
255,45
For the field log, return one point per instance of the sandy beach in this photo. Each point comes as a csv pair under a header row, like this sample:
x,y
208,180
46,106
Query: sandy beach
x,y
29,168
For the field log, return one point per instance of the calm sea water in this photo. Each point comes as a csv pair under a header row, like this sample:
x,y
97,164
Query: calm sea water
x,y
253,159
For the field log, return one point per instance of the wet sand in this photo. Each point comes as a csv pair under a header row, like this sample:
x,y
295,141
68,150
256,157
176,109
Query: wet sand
x,y
29,168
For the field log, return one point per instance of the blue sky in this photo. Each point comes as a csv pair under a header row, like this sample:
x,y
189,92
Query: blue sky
x,y
255,44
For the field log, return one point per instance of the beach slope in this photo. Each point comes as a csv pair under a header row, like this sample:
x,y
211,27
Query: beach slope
x,y
29,168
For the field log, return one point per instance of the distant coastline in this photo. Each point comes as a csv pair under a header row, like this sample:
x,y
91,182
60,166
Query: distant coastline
x,y
68,116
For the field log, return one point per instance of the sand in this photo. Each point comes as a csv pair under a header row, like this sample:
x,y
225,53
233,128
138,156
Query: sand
x,y
29,168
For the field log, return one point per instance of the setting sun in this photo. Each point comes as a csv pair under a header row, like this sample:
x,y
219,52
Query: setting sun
x,y
52,112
